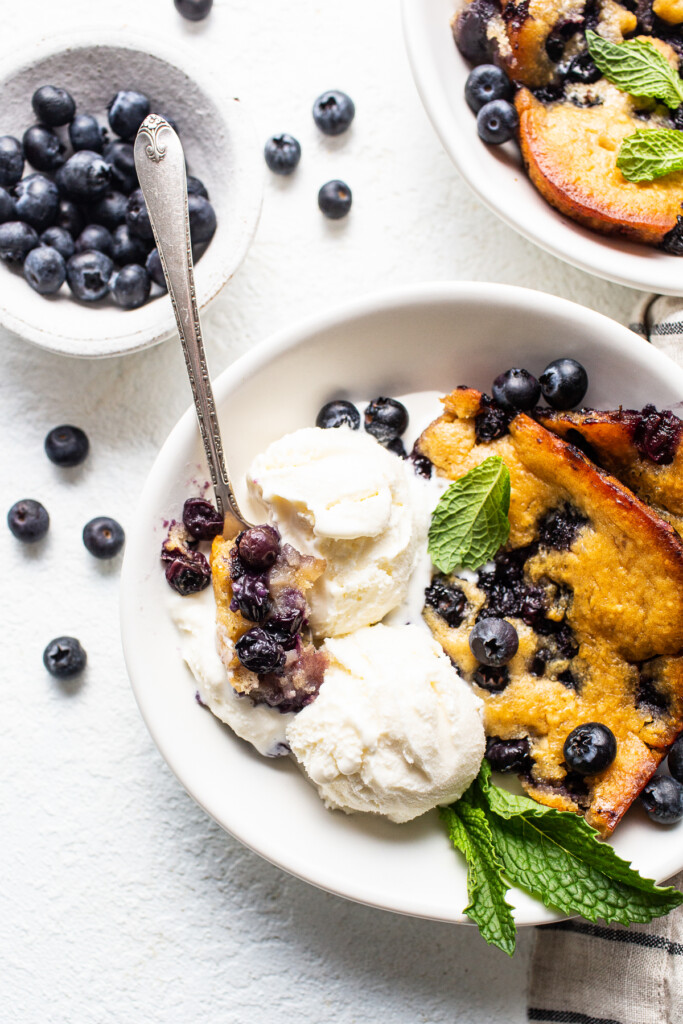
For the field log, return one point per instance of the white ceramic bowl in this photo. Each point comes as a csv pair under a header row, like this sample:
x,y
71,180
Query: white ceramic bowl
x,y
496,173
221,149
423,338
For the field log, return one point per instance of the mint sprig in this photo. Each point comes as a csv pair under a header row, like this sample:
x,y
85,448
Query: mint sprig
x,y
470,522
554,855
651,153
636,67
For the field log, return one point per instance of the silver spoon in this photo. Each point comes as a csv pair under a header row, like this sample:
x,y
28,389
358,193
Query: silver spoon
x,y
160,164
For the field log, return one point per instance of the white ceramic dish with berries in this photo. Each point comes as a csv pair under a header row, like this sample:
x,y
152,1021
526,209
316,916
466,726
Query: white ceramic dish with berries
x,y
221,150
496,173
428,338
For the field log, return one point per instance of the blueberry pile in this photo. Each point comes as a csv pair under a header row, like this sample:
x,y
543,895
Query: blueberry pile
x,y
333,112
488,92
79,217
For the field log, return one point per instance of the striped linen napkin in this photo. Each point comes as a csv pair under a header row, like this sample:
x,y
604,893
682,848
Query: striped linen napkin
x,y
584,973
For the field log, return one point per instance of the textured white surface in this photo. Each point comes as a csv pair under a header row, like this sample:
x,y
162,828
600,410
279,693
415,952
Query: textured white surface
x,y
119,898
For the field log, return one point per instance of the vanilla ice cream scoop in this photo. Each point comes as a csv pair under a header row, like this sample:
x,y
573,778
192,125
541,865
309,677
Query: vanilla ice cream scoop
x,y
339,495
394,729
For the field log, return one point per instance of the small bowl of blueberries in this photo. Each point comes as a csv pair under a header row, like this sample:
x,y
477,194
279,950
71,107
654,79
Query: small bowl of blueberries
x,y
79,271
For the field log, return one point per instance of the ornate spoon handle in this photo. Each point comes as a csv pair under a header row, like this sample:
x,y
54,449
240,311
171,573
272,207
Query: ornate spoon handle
x,y
160,163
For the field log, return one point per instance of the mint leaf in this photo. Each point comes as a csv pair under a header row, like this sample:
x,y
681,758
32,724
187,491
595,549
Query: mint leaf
x,y
651,153
470,522
636,67
469,832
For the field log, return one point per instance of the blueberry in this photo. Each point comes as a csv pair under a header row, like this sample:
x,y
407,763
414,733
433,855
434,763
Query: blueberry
x,y
155,270
69,217
196,187
8,209
287,617
250,597
103,537
675,761
447,600
45,269
662,799
259,652
282,153
508,755
202,218
338,414
193,10
516,390
258,547
16,240
130,286
95,238
497,122
43,149
121,158
64,657
28,520
471,30
396,445
484,84
582,68
110,210
201,519
494,642
85,133
59,239
53,106
334,199
37,201
188,577
67,445
333,112
137,217
590,748
385,419
126,112
87,274
11,160
564,383
84,177
677,117
128,248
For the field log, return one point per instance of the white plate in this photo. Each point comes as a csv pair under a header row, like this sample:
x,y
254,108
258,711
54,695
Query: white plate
x,y
496,173
430,337
221,149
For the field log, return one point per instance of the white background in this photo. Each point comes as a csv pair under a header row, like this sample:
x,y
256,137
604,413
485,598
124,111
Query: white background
x,y
119,899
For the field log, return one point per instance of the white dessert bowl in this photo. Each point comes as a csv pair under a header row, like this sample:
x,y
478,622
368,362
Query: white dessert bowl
x,y
425,338
221,149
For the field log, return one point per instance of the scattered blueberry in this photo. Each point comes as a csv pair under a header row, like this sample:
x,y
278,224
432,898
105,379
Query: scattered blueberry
x,y
128,248
201,519
121,159
485,83
590,748
188,577
196,187
53,106
582,68
564,383
69,217
471,34
45,269
67,445
43,149
675,761
338,413
497,122
282,153
193,10
334,199
287,617
447,600
202,218
508,755
155,270
64,657
516,390
250,596
103,537
258,547
385,419
137,217
259,652
126,112
59,239
494,642
662,799
84,177
333,112
28,520
11,160
110,210
88,274
95,238
16,240
130,286
8,209
36,201
397,446
85,133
